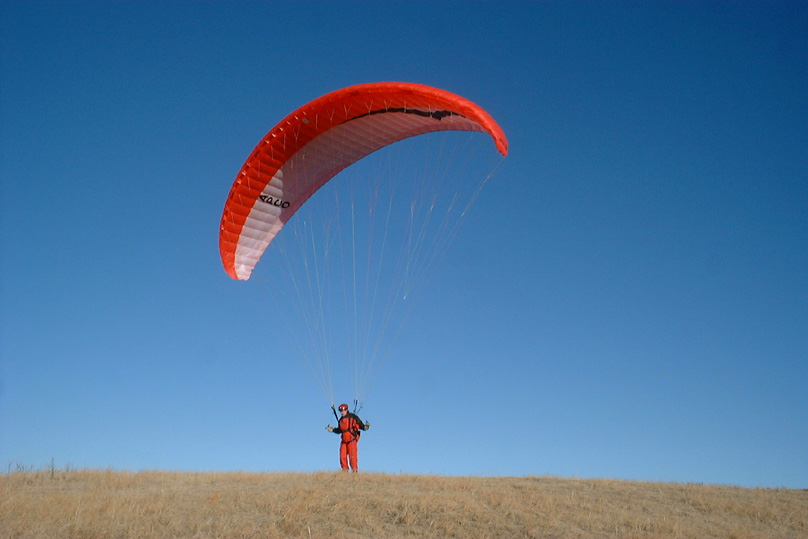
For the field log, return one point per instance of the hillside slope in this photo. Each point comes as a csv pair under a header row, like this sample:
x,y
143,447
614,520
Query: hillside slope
x,y
109,504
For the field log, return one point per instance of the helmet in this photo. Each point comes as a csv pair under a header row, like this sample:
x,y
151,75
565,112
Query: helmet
x,y
343,407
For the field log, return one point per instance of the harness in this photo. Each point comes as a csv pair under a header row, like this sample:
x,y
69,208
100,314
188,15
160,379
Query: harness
x,y
354,431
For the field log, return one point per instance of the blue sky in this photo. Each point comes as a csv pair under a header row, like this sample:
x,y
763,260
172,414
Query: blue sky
x,y
628,299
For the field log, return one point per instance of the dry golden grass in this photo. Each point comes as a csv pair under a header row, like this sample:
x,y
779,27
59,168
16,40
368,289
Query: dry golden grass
x,y
109,504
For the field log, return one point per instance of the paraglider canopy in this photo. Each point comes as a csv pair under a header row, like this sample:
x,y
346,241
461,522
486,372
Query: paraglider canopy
x,y
315,142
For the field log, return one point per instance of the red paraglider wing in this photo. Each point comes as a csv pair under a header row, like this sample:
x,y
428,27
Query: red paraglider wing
x,y
318,140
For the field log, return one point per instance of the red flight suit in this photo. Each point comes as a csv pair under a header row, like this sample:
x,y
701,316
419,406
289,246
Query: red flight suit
x,y
350,427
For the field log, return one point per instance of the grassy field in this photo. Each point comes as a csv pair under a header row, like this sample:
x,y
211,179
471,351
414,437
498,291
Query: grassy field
x,y
109,504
